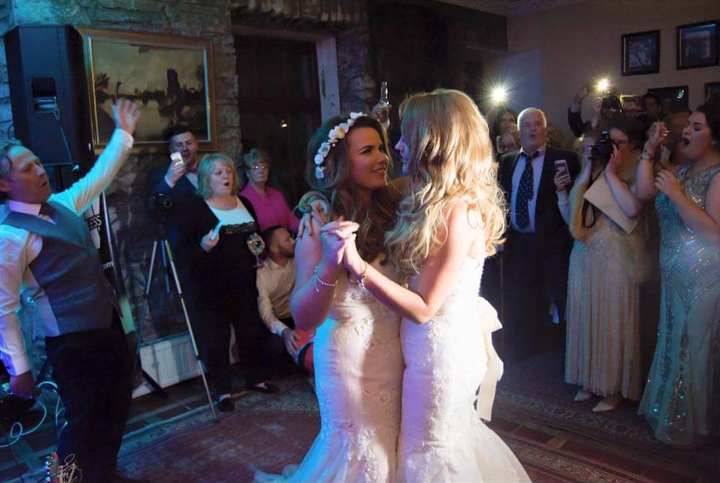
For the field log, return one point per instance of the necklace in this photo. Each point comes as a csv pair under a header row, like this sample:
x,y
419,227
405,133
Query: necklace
x,y
225,205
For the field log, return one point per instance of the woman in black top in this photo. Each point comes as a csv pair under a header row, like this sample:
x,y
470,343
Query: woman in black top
x,y
218,242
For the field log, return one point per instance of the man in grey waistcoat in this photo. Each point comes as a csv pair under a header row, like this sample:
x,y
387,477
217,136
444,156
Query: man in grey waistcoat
x,y
46,251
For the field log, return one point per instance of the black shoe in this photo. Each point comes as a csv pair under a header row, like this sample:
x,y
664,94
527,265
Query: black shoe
x,y
226,405
265,387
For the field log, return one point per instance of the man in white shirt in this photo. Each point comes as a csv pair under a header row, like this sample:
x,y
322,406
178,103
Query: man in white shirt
x,y
46,252
275,282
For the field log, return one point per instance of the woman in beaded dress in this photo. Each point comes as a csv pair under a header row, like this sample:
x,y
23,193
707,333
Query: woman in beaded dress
x,y
606,267
683,389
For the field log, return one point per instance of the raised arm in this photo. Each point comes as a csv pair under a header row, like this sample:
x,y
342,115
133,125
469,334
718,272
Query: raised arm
x,y
645,174
437,278
625,198
317,269
79,196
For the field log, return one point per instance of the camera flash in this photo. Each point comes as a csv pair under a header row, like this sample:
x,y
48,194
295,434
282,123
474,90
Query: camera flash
x,y
603,84
498,95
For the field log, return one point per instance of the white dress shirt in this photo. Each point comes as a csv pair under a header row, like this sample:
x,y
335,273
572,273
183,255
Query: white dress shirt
x,y
18,247
537,165
275,285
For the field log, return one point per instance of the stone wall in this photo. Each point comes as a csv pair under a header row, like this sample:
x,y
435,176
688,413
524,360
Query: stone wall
x,y
134,230
211,19
345,19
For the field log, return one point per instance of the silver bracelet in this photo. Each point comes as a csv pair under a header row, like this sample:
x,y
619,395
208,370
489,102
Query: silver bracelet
x,y
320,281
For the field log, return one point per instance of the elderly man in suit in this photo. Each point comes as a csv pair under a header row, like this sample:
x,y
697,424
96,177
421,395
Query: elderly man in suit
x,y
537,251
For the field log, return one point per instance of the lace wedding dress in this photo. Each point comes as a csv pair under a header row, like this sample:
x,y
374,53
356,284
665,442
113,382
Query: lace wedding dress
x,y
447,358
358,374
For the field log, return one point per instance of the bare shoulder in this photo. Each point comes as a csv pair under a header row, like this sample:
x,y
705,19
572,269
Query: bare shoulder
x,y
465,228
463,214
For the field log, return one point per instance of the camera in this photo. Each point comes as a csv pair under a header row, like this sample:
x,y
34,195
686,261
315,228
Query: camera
x,y
611,101
159,202
603,149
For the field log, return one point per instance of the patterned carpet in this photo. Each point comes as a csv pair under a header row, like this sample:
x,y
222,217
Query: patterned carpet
x,y
269,432
557,440
532,392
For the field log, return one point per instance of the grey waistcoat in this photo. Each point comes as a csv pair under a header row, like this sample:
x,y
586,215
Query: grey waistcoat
x,y
76,295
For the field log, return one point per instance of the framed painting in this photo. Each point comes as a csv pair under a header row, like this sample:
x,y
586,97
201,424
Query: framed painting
x,y
697,45
169,78
641,53
673,99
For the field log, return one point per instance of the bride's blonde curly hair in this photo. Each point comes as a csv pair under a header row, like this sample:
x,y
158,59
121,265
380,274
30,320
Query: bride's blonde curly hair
x,y
452,160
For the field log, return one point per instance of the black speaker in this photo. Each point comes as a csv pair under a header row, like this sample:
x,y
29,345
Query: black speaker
x,y
46,74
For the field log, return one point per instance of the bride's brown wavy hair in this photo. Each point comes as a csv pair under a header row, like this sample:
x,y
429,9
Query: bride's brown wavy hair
x,y
451,160
376,216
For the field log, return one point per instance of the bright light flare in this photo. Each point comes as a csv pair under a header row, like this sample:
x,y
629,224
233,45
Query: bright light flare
x,y
498,94
603,85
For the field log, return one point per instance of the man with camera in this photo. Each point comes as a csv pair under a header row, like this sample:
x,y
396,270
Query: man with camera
x,y
46,251
538,242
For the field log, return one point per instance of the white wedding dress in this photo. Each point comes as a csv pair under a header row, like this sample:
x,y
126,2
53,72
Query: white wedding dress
x,y
358,374
447,358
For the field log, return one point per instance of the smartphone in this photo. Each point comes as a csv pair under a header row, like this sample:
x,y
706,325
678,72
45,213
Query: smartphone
x,y
176,158
384,96
561,166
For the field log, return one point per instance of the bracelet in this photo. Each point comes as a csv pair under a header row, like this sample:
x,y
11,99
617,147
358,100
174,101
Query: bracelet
x,y
320,281
361,281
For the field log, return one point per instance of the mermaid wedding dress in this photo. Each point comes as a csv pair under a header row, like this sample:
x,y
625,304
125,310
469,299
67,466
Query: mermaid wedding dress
x,y
358,374
442,437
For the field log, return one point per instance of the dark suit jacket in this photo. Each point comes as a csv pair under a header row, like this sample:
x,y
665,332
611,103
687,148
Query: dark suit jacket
x,y
181,194
549,225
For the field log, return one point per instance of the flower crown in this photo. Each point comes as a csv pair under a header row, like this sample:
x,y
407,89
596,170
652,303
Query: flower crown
x,y
335,135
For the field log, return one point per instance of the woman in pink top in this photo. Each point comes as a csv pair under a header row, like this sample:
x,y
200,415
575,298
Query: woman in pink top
x,y
269,203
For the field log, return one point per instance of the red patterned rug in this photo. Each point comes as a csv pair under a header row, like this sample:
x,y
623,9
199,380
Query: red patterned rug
x,y
270,432
534,391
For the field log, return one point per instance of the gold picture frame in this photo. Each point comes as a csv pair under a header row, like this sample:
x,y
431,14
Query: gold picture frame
x,y
170,78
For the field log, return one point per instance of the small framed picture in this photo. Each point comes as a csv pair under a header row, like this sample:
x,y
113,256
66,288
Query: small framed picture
x,y
673,99
697,45
712,89
641,53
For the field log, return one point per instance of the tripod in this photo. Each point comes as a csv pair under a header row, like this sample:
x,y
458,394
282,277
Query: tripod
x,y
165,246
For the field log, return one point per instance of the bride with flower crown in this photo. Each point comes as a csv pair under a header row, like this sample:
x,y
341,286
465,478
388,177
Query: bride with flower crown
x,y
358,359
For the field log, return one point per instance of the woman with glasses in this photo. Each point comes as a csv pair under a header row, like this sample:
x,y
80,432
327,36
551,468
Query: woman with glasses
x,y
607,264
269,203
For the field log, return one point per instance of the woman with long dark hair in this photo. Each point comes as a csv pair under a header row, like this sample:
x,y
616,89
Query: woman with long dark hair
x,y
681,397
358,360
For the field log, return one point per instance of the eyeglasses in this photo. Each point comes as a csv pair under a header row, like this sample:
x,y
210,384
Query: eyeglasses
x,y
260,167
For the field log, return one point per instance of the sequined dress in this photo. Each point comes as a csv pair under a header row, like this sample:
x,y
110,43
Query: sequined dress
x,y
447,358
358,374
603,311
681,398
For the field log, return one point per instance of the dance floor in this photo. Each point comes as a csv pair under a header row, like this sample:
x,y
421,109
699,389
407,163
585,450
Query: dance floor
x,y
175,440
